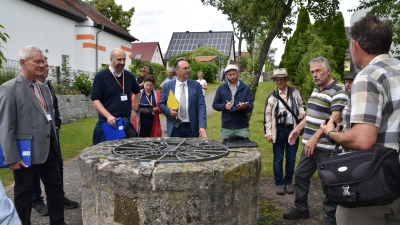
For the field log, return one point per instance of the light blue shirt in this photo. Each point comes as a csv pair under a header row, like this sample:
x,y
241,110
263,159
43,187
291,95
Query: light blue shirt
x,y
8,214
168,79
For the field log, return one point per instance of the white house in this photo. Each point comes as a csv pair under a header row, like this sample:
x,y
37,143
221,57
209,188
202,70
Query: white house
x,y
65,30
147,51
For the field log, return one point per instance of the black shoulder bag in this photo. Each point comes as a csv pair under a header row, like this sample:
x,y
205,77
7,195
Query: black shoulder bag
x,y
363,178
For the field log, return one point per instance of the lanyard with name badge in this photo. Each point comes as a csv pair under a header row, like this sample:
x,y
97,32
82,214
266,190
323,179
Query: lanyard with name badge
x,y
41,101
124,97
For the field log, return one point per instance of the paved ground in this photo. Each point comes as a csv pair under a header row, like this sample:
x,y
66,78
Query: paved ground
x,y
72,179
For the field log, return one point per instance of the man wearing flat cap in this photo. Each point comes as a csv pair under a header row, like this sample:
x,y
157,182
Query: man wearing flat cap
x,y
234,99
348,80
284,108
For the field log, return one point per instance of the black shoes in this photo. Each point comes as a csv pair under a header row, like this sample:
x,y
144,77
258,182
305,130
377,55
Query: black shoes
x,y
295,213
328,221
40,209
70,204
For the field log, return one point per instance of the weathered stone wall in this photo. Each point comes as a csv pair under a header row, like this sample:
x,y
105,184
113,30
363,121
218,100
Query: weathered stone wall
x,y
75,107
217,192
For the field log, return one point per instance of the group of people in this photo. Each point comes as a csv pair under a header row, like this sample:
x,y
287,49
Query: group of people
x,y
29,111
366,107
112,86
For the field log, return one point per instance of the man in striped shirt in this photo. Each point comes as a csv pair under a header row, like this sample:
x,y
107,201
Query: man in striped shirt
x,y
326,101
374,109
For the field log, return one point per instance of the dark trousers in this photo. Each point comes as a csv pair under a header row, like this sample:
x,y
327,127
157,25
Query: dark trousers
x,y
48,172
145,131
282,148
36,189
183,130
304,171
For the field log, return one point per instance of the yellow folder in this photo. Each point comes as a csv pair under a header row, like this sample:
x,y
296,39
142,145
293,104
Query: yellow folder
x,y
172,102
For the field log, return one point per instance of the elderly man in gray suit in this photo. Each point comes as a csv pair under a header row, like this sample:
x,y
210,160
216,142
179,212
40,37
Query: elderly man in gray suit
x,y
26,112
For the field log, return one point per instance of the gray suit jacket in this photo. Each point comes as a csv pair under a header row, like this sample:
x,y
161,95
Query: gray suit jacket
x,y
22,117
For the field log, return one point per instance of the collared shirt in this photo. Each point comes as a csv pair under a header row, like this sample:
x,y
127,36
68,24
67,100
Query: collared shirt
x,y
375,99
115,73
320,107
178,95
30,84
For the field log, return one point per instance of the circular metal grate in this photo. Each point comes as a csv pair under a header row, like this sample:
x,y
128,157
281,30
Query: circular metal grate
x,y
172,150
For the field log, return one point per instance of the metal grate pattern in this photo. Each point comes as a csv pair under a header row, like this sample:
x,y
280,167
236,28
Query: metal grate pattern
x,y
171,150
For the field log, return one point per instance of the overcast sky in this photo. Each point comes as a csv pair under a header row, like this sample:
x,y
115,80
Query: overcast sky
x,y
156,20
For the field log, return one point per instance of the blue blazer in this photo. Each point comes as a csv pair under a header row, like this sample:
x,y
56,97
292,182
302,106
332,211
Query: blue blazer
x,y
196,104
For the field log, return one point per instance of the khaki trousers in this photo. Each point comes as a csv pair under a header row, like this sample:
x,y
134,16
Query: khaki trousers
x,y
372,215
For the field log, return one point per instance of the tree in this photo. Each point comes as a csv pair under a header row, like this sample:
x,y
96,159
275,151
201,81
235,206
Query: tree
x,y
114,12
385,9
333,33
290,58
3,37
272,16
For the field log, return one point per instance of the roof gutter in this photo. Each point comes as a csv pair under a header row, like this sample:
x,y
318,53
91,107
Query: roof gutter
x,y
97,46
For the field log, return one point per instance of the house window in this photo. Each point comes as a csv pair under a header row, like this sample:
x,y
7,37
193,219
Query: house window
x,y
139,56
64,62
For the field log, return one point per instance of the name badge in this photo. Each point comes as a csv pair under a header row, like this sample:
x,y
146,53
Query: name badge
x,y
48,117
124,97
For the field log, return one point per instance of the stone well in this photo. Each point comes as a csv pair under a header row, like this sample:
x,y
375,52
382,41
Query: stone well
x,y
118,190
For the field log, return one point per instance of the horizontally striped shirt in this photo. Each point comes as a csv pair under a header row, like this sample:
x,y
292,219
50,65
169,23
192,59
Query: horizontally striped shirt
x,y
320,107
375,99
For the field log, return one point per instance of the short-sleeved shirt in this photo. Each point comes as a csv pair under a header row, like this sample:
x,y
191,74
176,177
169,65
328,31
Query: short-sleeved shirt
x,y
203,83
320,107
375,99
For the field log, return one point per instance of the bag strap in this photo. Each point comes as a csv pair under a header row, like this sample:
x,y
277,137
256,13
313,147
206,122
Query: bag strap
x,y
287,106
335,151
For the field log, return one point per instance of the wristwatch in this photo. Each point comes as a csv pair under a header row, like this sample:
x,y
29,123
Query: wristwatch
x,y
327,135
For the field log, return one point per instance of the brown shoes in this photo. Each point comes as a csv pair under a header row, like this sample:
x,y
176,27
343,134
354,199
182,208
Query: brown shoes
x,y
289,189
280,189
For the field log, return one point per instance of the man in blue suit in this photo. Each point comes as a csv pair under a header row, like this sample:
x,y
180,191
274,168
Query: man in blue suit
x,y
189,120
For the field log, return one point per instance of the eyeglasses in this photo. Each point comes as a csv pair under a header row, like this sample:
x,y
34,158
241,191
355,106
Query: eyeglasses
x,y
186,68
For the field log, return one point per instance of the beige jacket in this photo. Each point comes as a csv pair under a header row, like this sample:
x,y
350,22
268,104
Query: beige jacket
x,y
270,118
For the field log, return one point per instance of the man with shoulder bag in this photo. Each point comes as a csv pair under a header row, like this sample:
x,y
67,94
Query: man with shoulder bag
x,y
284,109
326,101
374,110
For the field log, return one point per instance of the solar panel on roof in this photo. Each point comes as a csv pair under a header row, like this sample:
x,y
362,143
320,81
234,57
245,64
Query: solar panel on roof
x,y
184,42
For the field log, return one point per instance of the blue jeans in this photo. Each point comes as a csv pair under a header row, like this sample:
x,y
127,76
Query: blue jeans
x,y
183,130
279,147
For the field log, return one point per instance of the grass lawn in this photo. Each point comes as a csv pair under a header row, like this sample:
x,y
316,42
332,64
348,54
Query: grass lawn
x,y
256,128
74,137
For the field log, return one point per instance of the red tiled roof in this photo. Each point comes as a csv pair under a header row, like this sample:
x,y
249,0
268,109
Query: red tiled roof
x,y
205,58
146,49
82,10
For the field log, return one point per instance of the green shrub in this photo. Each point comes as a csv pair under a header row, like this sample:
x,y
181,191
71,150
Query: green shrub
x,y
6,75
83,83
209,70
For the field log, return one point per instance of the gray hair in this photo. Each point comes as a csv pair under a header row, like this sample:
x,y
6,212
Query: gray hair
x,y
26,52
322,60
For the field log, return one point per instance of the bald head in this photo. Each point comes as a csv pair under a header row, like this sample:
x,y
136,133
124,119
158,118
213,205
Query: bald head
x,y
117,60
